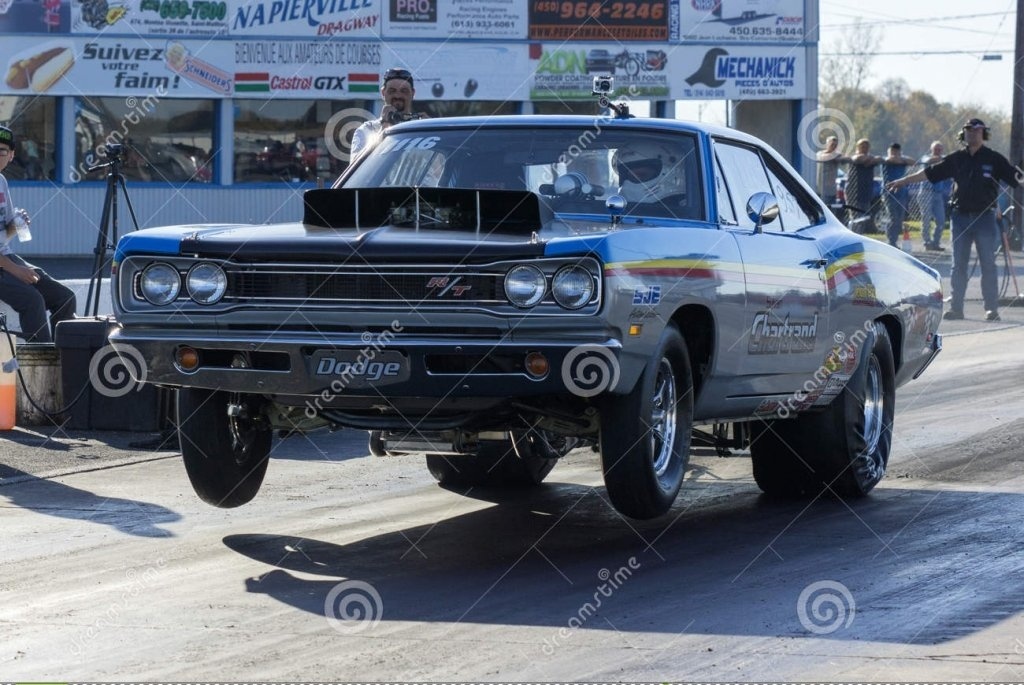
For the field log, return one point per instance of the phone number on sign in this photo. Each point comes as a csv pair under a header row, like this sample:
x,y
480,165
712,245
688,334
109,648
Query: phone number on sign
x,y
771,31
483,24
599,10
182,9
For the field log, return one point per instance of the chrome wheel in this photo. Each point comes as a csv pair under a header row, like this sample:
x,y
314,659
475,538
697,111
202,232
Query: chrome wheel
x,y
662,433
874,408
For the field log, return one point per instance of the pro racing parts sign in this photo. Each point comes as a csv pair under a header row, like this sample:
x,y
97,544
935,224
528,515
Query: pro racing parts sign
x,y
740,73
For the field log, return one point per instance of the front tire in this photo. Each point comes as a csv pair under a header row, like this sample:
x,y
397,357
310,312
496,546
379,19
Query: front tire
x,y
225,456
645,434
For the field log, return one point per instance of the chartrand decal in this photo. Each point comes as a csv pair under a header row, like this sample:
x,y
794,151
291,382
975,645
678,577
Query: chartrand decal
x,y
769,335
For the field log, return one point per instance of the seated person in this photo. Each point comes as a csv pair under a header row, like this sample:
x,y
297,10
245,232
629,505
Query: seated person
x,y
28,290
652,173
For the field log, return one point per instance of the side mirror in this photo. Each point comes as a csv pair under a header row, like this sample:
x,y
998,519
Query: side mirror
x,y
762,208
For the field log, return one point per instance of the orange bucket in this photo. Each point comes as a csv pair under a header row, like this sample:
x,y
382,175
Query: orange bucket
x,y
8,387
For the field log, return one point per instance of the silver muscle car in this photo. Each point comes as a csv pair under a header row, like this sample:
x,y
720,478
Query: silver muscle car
x,y
494,292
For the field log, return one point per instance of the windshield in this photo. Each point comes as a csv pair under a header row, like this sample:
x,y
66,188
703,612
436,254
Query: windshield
x,y
572,170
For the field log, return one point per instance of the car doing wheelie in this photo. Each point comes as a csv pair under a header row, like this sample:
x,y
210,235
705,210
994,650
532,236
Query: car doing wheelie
x,y
491,293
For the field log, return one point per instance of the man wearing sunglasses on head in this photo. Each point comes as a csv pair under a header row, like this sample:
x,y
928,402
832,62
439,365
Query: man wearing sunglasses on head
x,y
397,91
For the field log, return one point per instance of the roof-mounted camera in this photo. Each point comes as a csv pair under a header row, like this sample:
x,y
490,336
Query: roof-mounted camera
x,y
603,87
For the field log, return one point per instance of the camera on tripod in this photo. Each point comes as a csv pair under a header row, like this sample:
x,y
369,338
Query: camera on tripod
x,y
113,151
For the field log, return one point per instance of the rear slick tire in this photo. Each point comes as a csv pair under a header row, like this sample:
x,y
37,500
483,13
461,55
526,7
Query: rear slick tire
x,y
495,464
844,448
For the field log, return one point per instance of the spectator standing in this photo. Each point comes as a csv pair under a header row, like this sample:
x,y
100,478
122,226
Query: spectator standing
x,y
894,166
976,171
829,160
934,198
29,290
397,91
859,184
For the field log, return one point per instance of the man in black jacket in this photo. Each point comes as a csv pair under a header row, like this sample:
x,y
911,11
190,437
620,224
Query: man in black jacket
x,y
976,171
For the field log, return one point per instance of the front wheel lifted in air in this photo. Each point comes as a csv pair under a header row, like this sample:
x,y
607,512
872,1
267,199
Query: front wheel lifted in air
x,y
225,443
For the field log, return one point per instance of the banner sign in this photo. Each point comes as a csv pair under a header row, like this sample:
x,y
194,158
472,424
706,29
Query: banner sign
x,y
612,20
463,71
744,72
186,18
562,72
307,69
305,18
68,66
488,19
775,21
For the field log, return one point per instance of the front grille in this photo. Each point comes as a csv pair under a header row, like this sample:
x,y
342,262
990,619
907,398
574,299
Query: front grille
x,y
420,289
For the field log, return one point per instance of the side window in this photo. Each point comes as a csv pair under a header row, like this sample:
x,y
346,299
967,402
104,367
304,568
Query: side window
x,y
744,175
726,215
792,214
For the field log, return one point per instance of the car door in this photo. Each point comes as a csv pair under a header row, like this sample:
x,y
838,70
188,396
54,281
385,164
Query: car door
x,y
786,329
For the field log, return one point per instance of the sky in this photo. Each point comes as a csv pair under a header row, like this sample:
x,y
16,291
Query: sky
x,y
927,28
942,42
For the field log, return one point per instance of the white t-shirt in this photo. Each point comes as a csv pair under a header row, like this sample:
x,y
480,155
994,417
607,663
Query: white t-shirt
x,y
365,135
6,216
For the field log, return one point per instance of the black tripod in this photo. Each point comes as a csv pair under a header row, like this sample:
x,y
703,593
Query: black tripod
x,y
107,238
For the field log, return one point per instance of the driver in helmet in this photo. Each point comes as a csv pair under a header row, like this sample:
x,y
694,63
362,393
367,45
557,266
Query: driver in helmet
x,y
648,172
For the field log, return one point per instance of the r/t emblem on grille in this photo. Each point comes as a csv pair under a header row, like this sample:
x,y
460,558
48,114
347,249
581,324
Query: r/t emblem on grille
x,y
446,283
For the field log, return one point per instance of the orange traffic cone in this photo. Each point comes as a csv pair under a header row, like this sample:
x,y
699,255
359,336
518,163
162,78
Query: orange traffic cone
x,y
908,245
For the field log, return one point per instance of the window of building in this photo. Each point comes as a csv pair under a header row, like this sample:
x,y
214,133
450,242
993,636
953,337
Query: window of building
x,y
33,121
162,139
294,140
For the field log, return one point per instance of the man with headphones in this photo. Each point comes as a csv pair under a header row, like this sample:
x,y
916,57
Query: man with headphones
x,y
976,171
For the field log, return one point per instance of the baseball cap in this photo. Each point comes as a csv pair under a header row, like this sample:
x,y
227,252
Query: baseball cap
x,y
6,137
895,146
975,123
403,74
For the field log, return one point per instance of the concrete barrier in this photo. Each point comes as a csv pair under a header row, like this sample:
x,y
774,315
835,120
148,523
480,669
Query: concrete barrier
x,y
39,364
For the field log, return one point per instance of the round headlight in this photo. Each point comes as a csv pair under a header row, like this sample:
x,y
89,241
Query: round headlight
x,y
160,283
572,287
525,285
206,283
